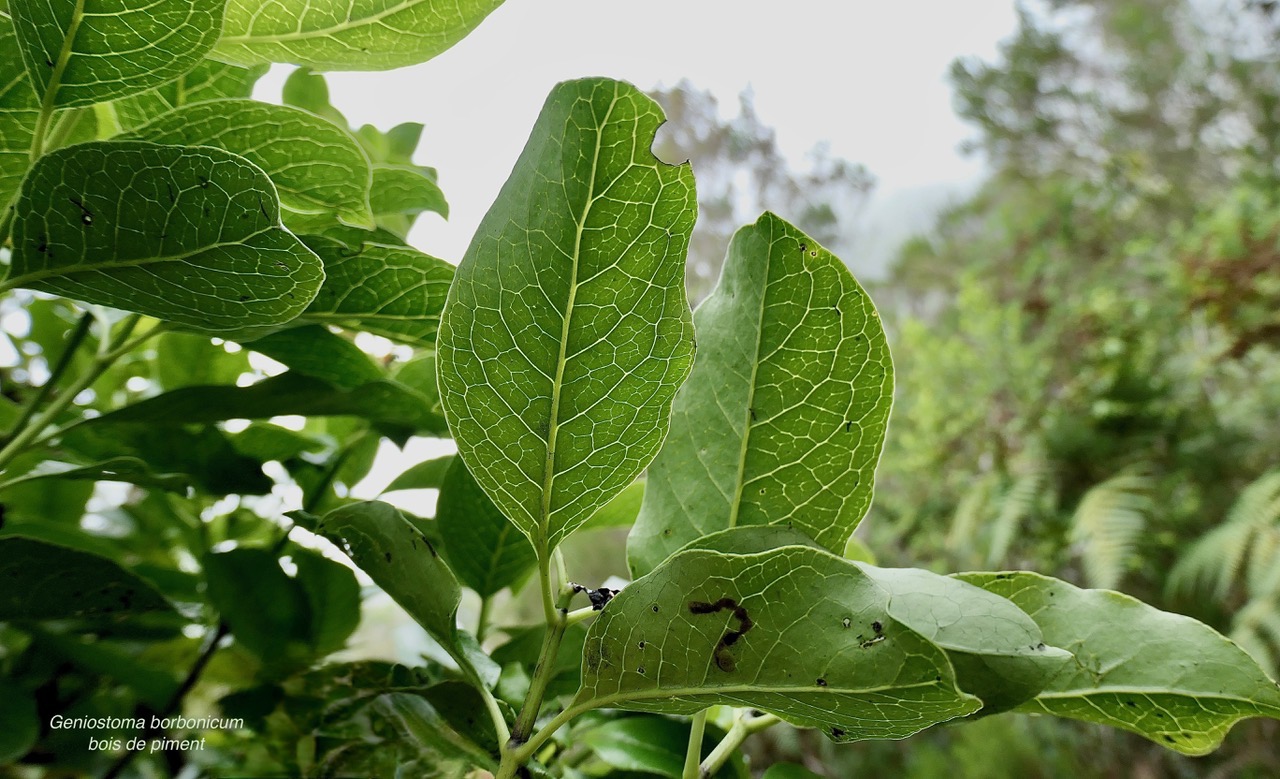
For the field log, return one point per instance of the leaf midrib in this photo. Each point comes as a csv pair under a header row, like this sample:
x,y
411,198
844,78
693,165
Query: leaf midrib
x,y
668,692
553,424
67,270
740,481
55,78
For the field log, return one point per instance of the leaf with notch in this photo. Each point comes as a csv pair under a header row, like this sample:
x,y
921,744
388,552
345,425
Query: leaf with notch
x,y
393,291
317,167
346,34
80,52
783,418
400,193
483,547
567,332
192,236
46,581
791,631
1163,676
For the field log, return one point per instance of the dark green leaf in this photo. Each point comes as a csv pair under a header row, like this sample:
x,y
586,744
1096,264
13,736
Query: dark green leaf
x,y
348,34
311,350
19,108
317,167
783,418
1163,676
78,54
653,745
130,470
334,597
269,613
192,236
484,549
392,291
44,581
567,330
21,721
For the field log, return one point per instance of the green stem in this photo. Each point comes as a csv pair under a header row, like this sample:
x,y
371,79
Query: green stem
x,y
482,621
693,753
110,350
580,615
514,758
743,726
55,375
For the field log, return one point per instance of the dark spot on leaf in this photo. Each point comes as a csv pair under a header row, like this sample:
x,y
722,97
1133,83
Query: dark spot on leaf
x,y
49,62
243,298
1168,738
387,555
723,659
655,608
846,622
1130,703
430,548
640,670
667,533
877,627
642,644
804,248
752,411
1000,576
937,678
837,732
86,215
821,682
813,253
847,425
204,182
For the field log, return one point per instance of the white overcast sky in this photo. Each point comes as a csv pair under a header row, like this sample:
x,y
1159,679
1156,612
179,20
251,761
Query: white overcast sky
x,y
866,77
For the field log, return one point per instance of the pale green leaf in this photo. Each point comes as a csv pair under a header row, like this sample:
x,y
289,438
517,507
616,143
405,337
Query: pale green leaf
x,y
426,475
317,167
393,291
192,236
400,193
484,549
346,34
791,631
567,330
783,418
209,80
619,512
188,359
19,108
80,52
46,581
1164,676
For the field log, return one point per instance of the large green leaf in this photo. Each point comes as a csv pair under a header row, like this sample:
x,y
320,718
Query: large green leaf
x,y
567,331
426,475
317,167
382,401
392,291
191,359
47,581
21,721
129,470
346,34
192,236
400,560
268,612
784,415
19,108
209,80
1164,676
484,549
795,631
334,598
655,745
80,52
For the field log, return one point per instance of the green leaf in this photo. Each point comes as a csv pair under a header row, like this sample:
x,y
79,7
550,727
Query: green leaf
x,y
19,108
129,470
21,721
309,91
483,548
192,236
400,193
190,359
791,631
997,651
317,167
269,613
209,80
400,560
393,291
783,418
426,475
567,330
619,512
525,648
653,745
45,581
1163,676
347,34
311,350
80,52
334,598
382,401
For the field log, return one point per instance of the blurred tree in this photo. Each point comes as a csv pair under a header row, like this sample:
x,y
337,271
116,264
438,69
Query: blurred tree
x,y
742,172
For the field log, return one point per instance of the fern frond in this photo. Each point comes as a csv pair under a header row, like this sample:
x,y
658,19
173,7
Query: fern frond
x,y
1107,524
1217,559
1017,504
973,507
